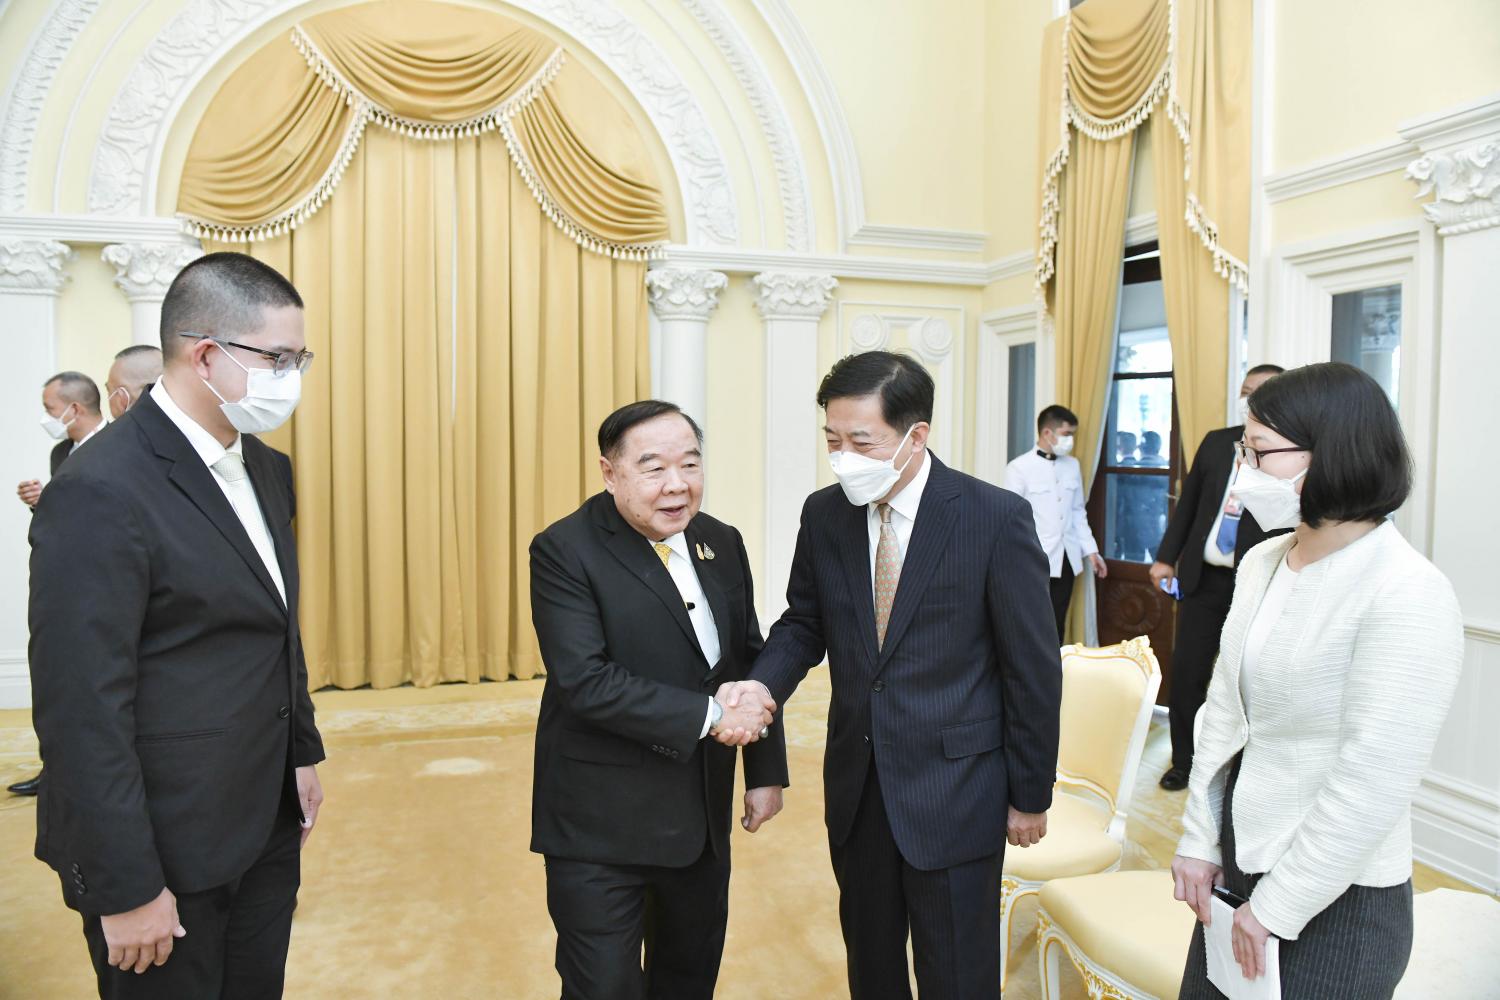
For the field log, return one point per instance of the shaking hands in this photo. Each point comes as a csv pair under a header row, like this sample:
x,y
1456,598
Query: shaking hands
x,y
749,711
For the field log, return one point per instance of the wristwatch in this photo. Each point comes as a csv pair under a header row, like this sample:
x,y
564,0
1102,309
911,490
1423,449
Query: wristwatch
x,y
717,711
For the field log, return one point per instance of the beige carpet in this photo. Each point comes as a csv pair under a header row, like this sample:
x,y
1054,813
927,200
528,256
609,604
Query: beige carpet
x,y
417,883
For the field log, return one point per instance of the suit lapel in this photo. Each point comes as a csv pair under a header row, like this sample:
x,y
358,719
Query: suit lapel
x,y
852,537
635,553
193,478
714,587
264,480
929,540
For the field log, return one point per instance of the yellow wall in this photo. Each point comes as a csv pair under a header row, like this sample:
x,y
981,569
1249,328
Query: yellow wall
x,y
93,318
1012,88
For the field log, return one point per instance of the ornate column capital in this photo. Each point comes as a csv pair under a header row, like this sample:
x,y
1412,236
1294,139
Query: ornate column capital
x,y
145,270
1465,184
682,293
35,267
793,294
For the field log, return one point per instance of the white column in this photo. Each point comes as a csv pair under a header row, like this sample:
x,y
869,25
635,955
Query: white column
x,y
31,277
792,303
144,271
682,301
1456,814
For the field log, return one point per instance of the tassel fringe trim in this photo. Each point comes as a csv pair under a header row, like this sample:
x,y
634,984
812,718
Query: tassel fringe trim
x,y
1071,117
366,112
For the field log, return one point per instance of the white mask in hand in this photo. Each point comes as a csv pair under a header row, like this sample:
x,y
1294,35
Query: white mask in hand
x,y
269,398
1274,503
865,479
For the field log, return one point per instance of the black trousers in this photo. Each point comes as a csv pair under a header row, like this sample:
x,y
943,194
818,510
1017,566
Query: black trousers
x,y
603,914
237,934
1200,620
951,914
1356,949
1062,593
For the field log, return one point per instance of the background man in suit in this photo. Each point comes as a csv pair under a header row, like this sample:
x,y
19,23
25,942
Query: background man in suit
x,y
1052,482
135,370
70,406
643,607
1200,549
927,589
170,692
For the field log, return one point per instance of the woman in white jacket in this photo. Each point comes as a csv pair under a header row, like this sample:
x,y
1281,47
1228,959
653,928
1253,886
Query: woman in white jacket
x,y
1337,664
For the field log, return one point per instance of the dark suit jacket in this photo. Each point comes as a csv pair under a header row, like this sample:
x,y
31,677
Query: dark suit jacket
x,y
960,707
60,453
1198,507
621,775
169,689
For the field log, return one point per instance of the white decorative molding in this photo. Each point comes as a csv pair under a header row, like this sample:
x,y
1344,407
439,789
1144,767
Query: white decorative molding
x,y
15,680
1010,266
71,228
1466,184
145,270
868,333
932,339
1483,631
34,267
1345,168
1456,829
822,96
999,331
932,272
786,153
33,82
124,178
784,294
1470,124
915,238
680,293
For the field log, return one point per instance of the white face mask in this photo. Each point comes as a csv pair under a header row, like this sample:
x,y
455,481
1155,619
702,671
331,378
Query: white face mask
x,y
1273,502
56,429
1064,446
269,398
865,479
1242,409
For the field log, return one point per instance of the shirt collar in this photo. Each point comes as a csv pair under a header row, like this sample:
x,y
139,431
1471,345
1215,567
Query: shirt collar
x,y
677,543
205,444
909,499
1042,454
97,428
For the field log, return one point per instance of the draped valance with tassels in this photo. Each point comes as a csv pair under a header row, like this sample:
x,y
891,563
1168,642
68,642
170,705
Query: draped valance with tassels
x,y
280,135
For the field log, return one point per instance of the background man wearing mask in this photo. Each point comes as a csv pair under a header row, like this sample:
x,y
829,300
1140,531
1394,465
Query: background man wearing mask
x,y
1052,482
70,416
643,607
927,589
1208,534
135,370
170,692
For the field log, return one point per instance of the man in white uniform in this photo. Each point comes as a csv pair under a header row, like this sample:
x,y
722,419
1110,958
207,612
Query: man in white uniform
x,y
1052,482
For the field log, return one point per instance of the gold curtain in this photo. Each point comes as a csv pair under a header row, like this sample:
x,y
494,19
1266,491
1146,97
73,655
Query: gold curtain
x,y
1106,68
467,347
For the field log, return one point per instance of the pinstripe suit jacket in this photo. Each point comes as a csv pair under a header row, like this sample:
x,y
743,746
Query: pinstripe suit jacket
x,y
959,708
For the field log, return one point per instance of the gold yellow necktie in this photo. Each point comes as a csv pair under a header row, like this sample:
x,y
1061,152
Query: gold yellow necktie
x,y
887,572
664,551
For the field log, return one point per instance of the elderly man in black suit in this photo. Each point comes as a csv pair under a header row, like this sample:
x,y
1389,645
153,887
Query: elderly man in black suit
x,y
928,591
644,607
170,690
1201,547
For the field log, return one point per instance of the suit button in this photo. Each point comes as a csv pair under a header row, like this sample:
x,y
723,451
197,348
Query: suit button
x,y
83,891
77,870
283,712
867,739
878,686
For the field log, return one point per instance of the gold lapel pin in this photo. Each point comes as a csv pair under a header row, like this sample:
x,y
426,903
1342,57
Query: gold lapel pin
x,y
704,552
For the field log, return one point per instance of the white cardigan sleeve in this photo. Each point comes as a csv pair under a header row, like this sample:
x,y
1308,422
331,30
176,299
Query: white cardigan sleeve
x,y
1402,673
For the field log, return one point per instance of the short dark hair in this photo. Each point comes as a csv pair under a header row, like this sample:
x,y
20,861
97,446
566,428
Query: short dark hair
x,y
1265,370
903,385
1055,416
76,387
223,294
137,350
1360,467
1151,443
612,432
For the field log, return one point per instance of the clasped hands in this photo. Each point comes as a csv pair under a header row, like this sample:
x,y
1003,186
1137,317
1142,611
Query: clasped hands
x,y
748,709
1194,882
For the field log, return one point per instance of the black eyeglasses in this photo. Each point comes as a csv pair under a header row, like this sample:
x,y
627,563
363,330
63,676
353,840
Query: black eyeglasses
x,y
281,362
1252,456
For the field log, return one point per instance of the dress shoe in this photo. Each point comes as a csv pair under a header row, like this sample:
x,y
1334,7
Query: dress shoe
x,y
1175,780
27,787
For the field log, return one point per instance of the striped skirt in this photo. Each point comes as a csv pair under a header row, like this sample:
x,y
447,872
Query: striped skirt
x,y
1356,949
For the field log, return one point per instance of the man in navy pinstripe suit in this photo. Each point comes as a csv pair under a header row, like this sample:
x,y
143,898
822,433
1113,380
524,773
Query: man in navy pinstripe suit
x,y
927,590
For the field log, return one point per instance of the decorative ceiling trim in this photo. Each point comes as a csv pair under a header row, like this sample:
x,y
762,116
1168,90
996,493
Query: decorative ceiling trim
x,y
127,159
33,82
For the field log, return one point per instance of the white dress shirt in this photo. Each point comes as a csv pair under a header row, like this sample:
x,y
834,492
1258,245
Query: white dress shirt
x,y
680,566
1054,488
903,516
210,450
80,443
